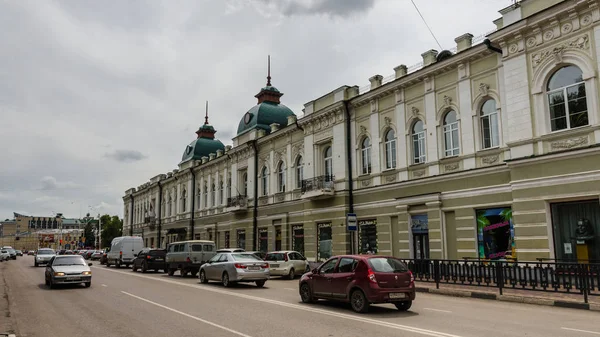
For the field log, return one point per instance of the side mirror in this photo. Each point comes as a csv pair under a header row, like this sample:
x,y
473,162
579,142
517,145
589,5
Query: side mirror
x,y
89,264
134,255
315,271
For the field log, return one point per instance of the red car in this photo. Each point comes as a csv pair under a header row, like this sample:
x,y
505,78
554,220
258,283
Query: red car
x,y
361,280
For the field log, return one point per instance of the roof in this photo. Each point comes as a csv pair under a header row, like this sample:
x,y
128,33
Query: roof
x,y
192,241
262,115
201,147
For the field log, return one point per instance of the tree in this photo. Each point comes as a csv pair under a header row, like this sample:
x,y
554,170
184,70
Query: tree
x,y
112,227
88,233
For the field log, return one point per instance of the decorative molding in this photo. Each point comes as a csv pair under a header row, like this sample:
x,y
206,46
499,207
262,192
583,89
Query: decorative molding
x,y
586,20
548,35
566,28
451,167
387,120
513,48
279,197
365,183
323,134
447,100
490,159
363,130
374,105
390,178
263,200
280,155
419,173
531,42
484,89
569,143
581,43
415,111
297,149
399,95
428,84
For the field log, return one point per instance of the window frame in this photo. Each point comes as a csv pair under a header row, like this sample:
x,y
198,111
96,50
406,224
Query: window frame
x,y
264,181
365,156
281,177
565,99
328,162
390,150
299,171
451,129
418,139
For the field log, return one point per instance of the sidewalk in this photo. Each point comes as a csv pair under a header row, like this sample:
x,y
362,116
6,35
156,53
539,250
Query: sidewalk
x,y
6,327
557,299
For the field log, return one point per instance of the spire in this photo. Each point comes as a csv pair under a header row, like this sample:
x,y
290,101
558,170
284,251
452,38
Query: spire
x,y
269,71
206,117
269,93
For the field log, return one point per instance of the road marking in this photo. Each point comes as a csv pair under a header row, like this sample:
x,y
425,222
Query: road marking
x,y
104,285
307,308
187,315
431,309
586,331
290,289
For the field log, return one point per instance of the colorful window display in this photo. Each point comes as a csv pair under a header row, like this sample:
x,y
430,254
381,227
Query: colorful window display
x,y
298,238
495,233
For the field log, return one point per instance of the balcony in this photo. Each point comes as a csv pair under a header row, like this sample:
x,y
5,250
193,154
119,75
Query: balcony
x,y
237,204
318,187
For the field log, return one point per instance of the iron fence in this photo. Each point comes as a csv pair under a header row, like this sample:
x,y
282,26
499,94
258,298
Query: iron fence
x,y
237,201
318,183
557,277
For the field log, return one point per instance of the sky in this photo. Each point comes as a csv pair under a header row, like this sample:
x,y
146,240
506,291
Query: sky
x,y
97,97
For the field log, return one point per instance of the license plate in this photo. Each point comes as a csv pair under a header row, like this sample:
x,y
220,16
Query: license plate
x,y
253,268
274,265
397,295
72,278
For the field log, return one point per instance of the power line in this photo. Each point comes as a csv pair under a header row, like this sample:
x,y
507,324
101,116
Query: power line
x,y
421,15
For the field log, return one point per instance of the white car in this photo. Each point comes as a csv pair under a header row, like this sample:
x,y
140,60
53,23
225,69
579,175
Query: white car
x,y
43,256
4,255
287,263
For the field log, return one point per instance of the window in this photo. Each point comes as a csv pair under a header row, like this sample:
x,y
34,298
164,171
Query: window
x,y
390,149
170,205
299,172
328,160
183,200
365,152
205,196
566,99
281,177
489,124
229,187
264,181
451,134
245,180
328,266
221,192
198,195
213,192
347,265
418,139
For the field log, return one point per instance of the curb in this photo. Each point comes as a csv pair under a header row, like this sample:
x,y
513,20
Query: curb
x,y
510,298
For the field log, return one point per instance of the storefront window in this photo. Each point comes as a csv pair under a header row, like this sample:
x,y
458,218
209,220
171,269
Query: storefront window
x,y
298,238
368,236
278,238
325,242
241,239
227,239
576,227
420,236
495,233
263,240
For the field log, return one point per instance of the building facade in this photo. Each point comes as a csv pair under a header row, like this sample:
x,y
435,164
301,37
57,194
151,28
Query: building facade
x,y
486,151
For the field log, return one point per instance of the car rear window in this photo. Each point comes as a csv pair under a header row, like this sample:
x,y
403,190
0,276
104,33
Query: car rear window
x,y
387,265
245,257
158,253
275,257
196,248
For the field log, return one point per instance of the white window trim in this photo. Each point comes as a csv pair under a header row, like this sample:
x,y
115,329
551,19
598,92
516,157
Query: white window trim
x,y
281,177
566,104
365,155
421,142
390,147
449,129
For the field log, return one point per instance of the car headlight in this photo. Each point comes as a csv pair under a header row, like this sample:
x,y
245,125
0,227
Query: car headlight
x,y
59,274
87,273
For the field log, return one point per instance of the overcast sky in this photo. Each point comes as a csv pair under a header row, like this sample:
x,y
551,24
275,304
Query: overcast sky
x,y
99,96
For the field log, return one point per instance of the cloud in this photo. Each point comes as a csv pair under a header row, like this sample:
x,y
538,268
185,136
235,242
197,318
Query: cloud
x,y
126,155
50,183
332,8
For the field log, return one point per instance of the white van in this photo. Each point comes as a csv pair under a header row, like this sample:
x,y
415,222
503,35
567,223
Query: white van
x,y
123,250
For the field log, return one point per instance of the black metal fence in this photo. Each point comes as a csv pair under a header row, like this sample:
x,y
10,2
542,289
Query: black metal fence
x,y
557,277
317,183
237,201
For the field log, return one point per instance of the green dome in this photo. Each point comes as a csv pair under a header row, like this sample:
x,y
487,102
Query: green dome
x,y
264,114
201,147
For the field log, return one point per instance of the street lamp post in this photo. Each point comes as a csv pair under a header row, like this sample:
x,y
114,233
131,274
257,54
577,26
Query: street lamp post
x,y
99,232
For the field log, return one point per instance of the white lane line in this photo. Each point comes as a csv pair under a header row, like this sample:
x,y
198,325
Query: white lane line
x,y
104,285
586,331
188,315
438,310
290,289
307,308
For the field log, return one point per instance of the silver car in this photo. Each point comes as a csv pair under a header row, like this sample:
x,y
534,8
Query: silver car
x,y
4,255
43,256
230,268
68,269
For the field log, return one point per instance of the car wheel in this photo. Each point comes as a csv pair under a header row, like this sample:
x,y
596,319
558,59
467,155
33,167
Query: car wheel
x,y
306,293
171,272
47,282
144,267
50,283
358,301
260,284
88,284
403,306
183,272
118,264
292,274
36,264
203,278
134,268
225,280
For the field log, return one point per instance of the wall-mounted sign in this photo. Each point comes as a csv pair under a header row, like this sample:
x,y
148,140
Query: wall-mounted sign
x,y
568,248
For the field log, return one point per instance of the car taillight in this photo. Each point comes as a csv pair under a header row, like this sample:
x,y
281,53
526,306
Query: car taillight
x,y
265,266
148,257
412,277
188,259
371,276
121,253
240,266
285,257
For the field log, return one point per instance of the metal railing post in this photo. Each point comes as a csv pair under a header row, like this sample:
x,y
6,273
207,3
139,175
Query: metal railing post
x,y
584,281
436,273
499,276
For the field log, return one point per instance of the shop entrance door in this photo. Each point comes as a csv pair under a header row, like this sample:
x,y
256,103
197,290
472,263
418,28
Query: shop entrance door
x,y
421,246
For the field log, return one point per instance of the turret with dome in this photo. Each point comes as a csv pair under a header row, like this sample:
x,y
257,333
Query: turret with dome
x,y
269,109
205,143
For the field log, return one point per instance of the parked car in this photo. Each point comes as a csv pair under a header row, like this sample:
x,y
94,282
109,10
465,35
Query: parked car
x,y
230,268
287,263
261,255
230,250
123,250
4,255
43,256
31,252
96,255
19,253
104,257
11,251
188,256
68,269
150,259
361,280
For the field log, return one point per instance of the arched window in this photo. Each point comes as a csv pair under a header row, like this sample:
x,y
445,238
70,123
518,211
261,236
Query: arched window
x,y
245,180
451,146
567,99
328,160
490,135
183,200
221,192
228,187
390,149
281,177
213,192
170,205
418,140
299,172
365,154
205,196
264,181
198,197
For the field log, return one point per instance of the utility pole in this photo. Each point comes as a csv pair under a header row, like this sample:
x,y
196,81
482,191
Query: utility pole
x,y
99,232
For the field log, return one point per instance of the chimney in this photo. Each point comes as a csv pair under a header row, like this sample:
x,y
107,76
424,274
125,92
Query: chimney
x,y
375,81
204,159
274,127
219,153
291,120
401,70
429,57
463,42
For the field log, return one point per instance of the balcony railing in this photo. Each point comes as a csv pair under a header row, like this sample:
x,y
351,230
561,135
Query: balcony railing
x,y
238,201
318,183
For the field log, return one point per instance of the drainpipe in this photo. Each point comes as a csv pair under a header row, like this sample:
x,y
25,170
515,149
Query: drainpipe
x,y
489,46
298,126
255,206
159,216
349,167
193,196
131,218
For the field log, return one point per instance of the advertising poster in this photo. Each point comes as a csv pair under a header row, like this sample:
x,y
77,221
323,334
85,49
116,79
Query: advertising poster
x,y
368,236
419,224
495,233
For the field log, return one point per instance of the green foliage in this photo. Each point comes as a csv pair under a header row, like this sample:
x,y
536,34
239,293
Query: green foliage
x,y
112,227
88,233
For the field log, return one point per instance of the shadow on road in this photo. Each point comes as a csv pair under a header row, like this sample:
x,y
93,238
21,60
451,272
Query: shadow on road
x,y
60,287
376,310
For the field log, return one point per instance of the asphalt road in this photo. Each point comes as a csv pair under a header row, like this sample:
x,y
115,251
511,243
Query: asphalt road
x,y
121,303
